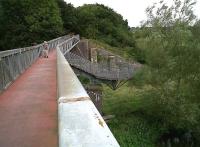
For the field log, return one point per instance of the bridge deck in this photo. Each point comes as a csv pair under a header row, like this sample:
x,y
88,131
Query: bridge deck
x,y
28,108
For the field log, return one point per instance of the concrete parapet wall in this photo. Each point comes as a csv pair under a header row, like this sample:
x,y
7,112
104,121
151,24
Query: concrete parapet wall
x,y
80,123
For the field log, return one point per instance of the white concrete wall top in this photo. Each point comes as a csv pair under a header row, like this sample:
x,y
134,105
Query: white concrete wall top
x,y
80,123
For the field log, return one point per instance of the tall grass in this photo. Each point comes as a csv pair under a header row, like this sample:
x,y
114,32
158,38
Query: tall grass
x,y
129,126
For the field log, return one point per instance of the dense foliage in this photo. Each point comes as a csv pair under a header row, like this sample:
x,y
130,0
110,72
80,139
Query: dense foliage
x,y
23,22
69,17
171,50
130,127
27,21
100,22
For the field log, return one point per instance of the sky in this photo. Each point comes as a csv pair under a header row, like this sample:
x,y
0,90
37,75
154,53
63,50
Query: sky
x,y
132,10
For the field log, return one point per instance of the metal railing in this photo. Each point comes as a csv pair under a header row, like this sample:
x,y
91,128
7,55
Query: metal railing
x,y
69,43
100,70
80,123
16,61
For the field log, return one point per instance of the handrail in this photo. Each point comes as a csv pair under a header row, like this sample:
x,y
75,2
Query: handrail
x,y
14,62
21,50
80,123
100,70
69,44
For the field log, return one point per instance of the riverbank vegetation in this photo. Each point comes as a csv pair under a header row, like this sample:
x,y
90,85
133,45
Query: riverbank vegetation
x,y
170,78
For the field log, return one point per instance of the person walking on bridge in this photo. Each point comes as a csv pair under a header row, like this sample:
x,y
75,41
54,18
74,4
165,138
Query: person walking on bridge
x,y
45,49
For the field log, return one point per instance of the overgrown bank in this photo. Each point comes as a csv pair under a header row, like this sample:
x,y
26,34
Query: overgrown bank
x,y
131,125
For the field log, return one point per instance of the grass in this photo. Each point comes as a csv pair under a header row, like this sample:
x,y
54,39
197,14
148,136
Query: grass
x,y
130,128
123,52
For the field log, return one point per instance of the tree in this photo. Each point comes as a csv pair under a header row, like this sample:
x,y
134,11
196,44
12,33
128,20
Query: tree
x,y
97,21
68,14
172,70
27,21
196,30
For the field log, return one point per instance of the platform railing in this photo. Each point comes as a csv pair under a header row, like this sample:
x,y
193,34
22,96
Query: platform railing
x,y
100,70
69,44
80,123
16,61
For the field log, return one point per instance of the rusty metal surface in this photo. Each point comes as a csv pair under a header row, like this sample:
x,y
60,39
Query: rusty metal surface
x,y
80,123
28,108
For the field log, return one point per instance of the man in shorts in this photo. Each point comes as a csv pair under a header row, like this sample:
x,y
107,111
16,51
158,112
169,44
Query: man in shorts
x,y
45,50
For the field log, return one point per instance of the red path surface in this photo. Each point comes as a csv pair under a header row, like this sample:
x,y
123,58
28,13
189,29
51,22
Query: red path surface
x,y
28,108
